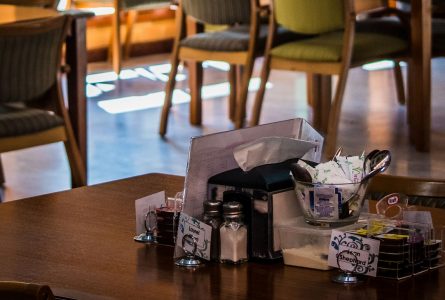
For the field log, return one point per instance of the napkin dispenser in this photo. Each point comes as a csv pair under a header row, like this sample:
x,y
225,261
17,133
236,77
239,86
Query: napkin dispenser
x,y
268,198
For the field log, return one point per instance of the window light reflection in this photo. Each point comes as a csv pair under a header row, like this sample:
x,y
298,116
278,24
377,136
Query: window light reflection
x,y
101,77
156,100
93,91
220,65
105,87
100,83
99,11
381,65
134,103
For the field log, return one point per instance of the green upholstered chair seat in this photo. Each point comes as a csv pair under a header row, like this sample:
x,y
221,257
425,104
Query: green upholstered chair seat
x,y
236,38
15,121
328,47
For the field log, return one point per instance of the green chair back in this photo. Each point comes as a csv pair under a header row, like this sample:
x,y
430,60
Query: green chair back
x,y
218,12
310,17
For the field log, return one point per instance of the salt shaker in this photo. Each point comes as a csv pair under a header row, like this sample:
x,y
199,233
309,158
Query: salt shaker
x,y
233,234
213,217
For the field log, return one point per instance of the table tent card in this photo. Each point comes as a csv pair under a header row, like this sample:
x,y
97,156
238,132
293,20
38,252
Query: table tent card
x,y
200,232
353,253
143,206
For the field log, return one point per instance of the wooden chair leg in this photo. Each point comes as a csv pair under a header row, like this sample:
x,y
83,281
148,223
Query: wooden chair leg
x,y
400,87
334,116
256,109
244,93
319,87
195,84
78,176
2,174
77,165
409,103
174,61
116,50
233,92
169,94
131,20
310,95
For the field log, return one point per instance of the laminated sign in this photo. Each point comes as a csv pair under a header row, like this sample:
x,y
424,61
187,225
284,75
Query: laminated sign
x,y
200,233
353,253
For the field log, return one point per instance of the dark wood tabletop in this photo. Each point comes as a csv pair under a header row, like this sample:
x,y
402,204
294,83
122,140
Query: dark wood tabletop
x,y
80,242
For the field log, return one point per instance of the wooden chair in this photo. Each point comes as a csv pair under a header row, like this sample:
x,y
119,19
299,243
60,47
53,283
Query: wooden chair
x,y
385,18
14,290
437,29
131,8
335,48
239,44
420,191
32,109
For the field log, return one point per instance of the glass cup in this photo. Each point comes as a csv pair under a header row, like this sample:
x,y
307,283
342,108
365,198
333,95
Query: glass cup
x,y
330,205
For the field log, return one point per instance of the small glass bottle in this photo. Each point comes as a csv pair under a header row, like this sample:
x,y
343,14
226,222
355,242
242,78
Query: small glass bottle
x,y
213,217
233,234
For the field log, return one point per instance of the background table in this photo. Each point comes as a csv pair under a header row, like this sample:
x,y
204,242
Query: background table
x,y
80,242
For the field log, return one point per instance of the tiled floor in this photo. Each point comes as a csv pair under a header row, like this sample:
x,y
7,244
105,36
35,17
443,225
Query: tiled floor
x,y
127,143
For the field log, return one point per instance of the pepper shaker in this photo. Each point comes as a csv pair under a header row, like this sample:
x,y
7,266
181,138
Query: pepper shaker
x,y
213,217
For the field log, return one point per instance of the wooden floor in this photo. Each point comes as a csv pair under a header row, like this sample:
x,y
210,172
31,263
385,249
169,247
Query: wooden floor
x,y
128,144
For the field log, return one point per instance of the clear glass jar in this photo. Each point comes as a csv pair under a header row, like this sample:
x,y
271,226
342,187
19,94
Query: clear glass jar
x,y
233,234
213,217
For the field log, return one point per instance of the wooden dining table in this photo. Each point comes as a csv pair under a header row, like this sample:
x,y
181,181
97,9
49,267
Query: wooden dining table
x,y
76,59
80,243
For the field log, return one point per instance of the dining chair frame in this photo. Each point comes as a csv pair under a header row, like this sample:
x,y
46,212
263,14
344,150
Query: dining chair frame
x,y
51,100
241,68
117,53
326,111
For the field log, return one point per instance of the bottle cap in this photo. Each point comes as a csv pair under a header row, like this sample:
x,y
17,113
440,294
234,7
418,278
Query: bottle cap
x,y
212,207
232,208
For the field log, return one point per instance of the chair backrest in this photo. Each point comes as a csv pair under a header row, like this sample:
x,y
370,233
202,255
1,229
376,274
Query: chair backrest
x,y
218,12
30,54
39,3
420,191
310,17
